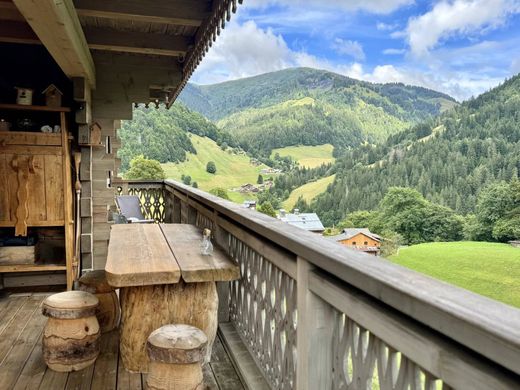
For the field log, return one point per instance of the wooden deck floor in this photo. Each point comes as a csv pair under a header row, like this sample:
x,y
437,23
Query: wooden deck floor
x,y
22,365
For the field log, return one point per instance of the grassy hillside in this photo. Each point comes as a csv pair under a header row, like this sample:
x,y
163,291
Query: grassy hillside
x,y
233,170
220,100
488,269
309,191
307,156
304,106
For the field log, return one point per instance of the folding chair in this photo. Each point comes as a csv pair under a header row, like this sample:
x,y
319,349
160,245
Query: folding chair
x,y
129,207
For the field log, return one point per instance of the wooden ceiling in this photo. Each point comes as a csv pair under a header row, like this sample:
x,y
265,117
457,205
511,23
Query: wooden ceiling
x,y
178,31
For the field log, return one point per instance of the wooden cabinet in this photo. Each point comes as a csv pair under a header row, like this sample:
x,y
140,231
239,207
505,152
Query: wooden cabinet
x,y
35,177
34,183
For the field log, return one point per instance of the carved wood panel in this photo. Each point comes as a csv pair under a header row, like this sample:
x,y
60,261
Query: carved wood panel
x,y
363,361
153,200
263,309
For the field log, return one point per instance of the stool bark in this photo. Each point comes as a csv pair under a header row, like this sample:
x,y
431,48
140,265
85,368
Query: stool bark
x,y
108,312
176,353
71,335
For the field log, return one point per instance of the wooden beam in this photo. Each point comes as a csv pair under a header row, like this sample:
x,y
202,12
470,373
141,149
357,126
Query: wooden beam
x,y
8,11
57,26
137,42
17,32
174,12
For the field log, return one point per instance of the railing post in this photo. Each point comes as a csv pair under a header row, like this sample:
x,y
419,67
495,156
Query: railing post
x,y
221,239
176,212
314,335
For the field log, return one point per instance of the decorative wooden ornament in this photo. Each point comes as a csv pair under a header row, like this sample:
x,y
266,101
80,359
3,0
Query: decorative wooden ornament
x,y
95,134
52,96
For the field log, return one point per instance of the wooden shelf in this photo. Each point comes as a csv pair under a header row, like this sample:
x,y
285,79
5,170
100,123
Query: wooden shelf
x,y
21,107
30,138
31,267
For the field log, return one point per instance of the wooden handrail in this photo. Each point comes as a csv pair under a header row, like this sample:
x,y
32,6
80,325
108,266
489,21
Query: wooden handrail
x,y
488,327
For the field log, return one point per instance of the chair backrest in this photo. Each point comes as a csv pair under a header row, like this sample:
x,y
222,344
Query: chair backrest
x,y
129,206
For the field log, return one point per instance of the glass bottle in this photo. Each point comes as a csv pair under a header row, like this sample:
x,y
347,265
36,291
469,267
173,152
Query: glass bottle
x,y
206,247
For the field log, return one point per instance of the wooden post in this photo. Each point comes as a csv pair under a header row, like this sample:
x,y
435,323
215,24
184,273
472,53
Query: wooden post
x,y
314,335
221,239
176,214
68,201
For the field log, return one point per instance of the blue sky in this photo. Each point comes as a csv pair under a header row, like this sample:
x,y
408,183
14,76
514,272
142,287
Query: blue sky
x,y
460,47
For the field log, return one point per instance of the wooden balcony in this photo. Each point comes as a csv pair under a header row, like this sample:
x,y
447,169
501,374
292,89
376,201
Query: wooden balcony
x,y
22,365
312,314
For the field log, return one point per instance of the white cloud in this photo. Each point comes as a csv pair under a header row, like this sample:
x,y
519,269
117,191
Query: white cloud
x,y
393,52
515,66
349,48
456,17
386,27
373,6
242,51
245,50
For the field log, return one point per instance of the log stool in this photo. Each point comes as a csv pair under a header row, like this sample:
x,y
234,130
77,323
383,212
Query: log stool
x,y
176,353
71,335
108,312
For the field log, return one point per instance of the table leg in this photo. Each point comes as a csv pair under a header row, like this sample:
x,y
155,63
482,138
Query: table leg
x,y
146,308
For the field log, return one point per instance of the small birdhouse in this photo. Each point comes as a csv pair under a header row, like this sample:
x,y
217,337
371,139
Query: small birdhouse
x,y
95,134
52,96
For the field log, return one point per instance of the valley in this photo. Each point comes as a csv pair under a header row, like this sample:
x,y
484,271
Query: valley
x,y
307,156
233,170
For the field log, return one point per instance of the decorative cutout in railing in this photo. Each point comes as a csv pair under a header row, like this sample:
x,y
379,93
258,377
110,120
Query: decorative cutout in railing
x,y
363,361
263,309
152,199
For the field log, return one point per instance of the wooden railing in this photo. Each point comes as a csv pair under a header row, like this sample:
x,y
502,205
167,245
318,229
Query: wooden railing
x,y
316,315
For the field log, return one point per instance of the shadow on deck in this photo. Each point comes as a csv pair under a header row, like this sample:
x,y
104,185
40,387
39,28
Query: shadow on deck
x,y
22,365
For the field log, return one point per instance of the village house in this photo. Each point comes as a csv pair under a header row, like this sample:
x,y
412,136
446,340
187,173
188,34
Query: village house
x,y
307,221
360,239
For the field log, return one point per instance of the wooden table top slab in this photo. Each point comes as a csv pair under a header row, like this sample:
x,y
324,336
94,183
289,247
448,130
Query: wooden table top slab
x,y
138,255
149,254
184,241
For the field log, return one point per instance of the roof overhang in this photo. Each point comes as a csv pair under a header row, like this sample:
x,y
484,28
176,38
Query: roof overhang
x,y
170,35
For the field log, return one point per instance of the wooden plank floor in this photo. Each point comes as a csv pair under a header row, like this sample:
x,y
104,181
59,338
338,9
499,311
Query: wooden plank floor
x,y
22,365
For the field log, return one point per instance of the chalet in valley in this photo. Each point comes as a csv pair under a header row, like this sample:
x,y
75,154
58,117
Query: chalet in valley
x,y
360,239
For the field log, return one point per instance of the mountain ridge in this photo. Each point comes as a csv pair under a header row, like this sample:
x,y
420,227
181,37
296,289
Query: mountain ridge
x,y
266,111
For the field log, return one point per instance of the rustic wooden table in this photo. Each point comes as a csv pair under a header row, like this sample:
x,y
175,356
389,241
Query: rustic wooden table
x,y
164,279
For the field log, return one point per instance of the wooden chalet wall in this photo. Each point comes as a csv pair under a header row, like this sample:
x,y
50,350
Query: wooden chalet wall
x,y
116,55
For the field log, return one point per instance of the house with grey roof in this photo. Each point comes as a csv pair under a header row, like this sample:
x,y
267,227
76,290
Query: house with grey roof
x,y
307,221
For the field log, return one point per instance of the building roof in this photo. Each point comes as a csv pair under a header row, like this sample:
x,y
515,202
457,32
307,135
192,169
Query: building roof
x,y
160,41
307,221
352,232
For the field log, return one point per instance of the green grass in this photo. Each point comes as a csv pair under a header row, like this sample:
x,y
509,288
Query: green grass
x,y
489,269
233,170
309,191
308,156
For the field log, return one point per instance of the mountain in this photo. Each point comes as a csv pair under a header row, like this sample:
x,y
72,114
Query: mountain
x,y
448,159
311,107
163,135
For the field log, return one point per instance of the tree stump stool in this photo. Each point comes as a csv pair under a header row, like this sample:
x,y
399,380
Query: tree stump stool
x,y
176,353
71,335
108,312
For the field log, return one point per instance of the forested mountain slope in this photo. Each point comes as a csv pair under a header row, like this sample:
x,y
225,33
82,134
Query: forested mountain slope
x,y
162,134
311,107
448,159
